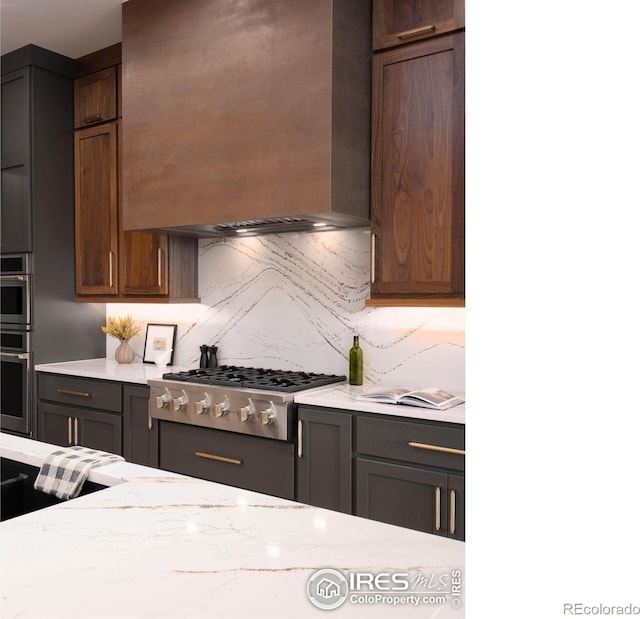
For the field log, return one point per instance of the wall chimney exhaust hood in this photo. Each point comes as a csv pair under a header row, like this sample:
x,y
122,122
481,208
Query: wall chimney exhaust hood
x,y
244,118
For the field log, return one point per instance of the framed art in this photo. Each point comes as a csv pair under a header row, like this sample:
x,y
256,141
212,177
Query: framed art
x,y
159,339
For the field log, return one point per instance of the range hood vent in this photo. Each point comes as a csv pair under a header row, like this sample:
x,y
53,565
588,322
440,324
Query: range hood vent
x,y
246,118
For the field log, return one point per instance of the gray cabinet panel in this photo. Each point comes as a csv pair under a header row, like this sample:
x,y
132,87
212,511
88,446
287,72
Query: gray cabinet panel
x,y
323,465
141,443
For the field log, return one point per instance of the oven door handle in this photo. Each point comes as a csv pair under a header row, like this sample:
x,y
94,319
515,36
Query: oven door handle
x,y
16,278
23,356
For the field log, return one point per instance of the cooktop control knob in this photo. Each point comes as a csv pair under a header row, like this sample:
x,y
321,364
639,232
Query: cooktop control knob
x,y
245,413
202,406
177,404
220,409
267,416
162,401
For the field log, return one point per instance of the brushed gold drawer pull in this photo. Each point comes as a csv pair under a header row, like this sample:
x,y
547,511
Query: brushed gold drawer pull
x,y
437,508
201,454
373,258
452,511
110,269
69,435
159,267
80,394
407,34
75,427
447,450
299,438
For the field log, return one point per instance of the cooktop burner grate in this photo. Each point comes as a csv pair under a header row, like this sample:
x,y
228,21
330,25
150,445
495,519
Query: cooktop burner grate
x,y
256,378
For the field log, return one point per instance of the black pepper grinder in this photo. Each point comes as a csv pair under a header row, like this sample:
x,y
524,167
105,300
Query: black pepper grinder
x,y
204,357
212,361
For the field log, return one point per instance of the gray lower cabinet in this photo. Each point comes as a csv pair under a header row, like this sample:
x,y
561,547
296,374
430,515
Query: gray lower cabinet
x,y
140,434
255,463
80,411
406,472
324,462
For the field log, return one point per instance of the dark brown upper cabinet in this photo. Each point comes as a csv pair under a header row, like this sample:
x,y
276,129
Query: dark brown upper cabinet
x,y
417,193
95,98
113,264
396,22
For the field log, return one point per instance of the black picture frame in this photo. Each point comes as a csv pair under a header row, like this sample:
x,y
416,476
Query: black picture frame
x,y
157,339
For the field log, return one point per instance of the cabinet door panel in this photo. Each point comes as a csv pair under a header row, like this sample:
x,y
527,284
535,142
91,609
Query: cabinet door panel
x,y
140,443
144,263
417,208
54,426
95,98
401,21
100,431
16,198
324,460
401,495
96,210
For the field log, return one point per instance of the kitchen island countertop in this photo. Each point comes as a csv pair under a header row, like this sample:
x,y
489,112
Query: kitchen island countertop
x,y
156,544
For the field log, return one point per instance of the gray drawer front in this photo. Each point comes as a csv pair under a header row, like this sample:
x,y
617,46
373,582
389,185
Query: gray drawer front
x,y
390,438
259,464
83,392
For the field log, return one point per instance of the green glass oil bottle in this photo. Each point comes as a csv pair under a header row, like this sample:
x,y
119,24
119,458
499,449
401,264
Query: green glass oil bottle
x,y
355,362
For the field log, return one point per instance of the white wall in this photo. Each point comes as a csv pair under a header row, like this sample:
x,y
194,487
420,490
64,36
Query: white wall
x,y
294,301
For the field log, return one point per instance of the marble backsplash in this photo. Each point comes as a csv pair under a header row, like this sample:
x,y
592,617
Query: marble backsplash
x,y
294,301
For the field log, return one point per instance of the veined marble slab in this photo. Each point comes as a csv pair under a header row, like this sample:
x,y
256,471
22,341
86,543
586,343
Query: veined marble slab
x,y
177,547
294,301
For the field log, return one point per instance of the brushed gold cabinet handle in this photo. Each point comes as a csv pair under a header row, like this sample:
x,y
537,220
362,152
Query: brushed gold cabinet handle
x,y
407,34
201,454
447,450
149,419
69,436
80,394
452,512
299,438
437,508
373,258
110,269
75,427
159,267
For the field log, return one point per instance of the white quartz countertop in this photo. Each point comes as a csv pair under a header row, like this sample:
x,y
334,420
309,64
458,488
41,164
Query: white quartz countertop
x,y
344,397
108,369
156,544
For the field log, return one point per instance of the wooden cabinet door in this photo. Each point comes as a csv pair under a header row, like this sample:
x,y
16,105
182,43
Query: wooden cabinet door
x,y
143,256
96,196
406,496
16,162
324,470
417,201
98,430
95,98
140,443
401,21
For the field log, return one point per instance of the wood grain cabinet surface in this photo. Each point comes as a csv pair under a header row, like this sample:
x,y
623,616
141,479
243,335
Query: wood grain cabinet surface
x,y
396,22
95,98
417,201
113,264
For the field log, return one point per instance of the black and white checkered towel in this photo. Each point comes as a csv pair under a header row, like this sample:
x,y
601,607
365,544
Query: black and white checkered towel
x,y
64,471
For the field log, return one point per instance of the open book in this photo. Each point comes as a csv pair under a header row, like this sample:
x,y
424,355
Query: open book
x,y
429,397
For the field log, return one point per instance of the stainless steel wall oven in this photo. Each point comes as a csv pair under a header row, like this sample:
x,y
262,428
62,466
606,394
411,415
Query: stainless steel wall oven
x,y
15,295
